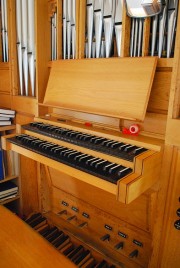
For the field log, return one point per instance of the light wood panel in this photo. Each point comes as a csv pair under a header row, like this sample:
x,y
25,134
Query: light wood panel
x,y
25,105
140,209
29,187
22,247
159,97
100,86
5,100
95,228
173,128
5,81
170,256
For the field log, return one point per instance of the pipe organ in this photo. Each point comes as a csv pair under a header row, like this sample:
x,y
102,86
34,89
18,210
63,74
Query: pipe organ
x,y
96,193
121,168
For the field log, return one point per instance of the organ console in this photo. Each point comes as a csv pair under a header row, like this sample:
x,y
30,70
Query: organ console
x,y
94,181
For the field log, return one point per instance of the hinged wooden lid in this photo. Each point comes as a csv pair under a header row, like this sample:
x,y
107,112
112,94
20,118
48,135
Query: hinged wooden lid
x,y
116,87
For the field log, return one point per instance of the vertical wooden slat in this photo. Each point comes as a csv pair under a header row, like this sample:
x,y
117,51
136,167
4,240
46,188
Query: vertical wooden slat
x,y
126,27
42,47
82,26
59,29
146,35
0,39
78,21
12,47
174,104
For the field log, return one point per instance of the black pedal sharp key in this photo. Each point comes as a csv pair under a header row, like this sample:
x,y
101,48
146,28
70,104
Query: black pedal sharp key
x,y
82,257
54,236
68,250
60,241
76,256
37,222
48,233
102,264
33,217
77,250
90,263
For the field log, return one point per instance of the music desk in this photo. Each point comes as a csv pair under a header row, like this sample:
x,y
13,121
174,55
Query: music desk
x,y
22,247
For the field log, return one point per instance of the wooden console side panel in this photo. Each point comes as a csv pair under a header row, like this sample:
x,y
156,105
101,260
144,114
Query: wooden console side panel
x,y
170,255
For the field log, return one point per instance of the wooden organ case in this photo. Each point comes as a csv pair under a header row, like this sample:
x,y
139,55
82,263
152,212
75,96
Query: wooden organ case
x,y
94,181
105,190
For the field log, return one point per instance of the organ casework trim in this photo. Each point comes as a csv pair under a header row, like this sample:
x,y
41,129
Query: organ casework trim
x,y
119,87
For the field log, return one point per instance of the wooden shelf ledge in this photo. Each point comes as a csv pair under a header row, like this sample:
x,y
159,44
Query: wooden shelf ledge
x,y
9,200
8,178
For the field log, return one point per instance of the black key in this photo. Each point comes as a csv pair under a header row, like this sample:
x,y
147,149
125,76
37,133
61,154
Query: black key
x,y
42,232
113,169
124,172
77,255
130,148
96,161
75,252
47,233
20,137
139,151
102,264
123,147
36,222
60,241
115,144
101,164
105,142
54,236
88,162
84,158
68,250
83,255
109,143
73,154
108,166
33,217
64,151
69,152
76,158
